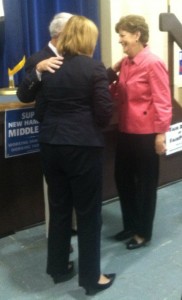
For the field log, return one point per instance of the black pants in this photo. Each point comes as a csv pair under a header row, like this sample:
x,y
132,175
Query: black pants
x,y
74,178
136,175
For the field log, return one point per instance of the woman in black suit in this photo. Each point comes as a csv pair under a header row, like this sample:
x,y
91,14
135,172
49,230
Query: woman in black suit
x,y
71,145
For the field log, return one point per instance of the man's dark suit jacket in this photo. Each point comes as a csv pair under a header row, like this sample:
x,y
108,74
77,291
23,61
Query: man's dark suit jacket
x,y
78,101
30,88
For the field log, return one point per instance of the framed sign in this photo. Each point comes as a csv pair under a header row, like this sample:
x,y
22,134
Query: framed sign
x,y
174,138
21,132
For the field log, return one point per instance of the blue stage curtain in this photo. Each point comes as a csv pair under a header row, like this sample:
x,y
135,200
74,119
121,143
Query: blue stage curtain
x,y
1,35
14,41
36,16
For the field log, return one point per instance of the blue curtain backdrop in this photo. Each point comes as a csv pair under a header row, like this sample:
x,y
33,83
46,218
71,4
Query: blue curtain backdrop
x,y
1,36
14,42
26,28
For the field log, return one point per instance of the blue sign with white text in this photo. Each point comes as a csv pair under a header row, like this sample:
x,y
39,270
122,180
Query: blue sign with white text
x,y
21,132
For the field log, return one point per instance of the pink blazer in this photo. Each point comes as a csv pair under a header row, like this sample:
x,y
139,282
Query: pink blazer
x,y
143,95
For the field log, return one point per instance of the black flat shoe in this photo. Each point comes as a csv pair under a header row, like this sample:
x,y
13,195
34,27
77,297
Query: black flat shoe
x,y
58,278
123,235
133,244
99,287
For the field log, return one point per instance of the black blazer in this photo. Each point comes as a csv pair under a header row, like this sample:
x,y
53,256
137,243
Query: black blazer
x,y
79,104
35,58
30,88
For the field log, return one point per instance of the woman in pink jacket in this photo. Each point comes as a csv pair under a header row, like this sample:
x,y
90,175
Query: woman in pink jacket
x,y
141,88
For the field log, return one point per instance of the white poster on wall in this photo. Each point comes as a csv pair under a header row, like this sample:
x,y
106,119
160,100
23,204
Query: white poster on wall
x,y
174,138
1,9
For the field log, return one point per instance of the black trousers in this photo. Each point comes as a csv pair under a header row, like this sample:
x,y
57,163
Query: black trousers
x,y
136,175
74,178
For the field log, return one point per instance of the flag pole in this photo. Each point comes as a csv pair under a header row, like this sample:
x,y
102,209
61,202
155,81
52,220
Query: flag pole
x,y
11,82
10,90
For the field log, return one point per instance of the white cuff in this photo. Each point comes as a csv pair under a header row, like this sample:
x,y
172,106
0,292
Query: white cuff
x,y
39,75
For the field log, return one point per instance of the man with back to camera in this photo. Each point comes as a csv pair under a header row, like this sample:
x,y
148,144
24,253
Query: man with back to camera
x,y
46,59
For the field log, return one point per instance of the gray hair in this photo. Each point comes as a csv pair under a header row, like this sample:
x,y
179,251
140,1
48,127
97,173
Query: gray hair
x,y
58,22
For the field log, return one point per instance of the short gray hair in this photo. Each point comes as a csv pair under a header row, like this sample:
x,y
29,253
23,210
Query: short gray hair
x,y
58,22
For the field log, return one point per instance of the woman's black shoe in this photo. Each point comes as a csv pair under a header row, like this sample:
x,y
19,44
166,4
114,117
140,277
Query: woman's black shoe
x,y
57,278
133,244
94,289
